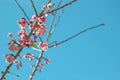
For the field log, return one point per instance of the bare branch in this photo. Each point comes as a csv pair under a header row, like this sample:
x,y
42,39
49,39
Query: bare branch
x,y
85,30
49,33
37,64
52,31
34,7
52,21
22,10
69,3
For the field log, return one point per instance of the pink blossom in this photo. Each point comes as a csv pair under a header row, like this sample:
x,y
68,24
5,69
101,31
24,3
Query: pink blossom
x,y
22,22
13,47
41,31
34,17
35,38
31,22
23,37
10,35
19,33
43,19
43,46
44,7
9,58
31,27
49,5
46,14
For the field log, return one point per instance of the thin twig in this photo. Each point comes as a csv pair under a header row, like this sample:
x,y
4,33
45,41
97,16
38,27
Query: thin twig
x,y
22,10
52,21
52,31
13,74
41,13
37,64
34,7
49,33
69,3
75,35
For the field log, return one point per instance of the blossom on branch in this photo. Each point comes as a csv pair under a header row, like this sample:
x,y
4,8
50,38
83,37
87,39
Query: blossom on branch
x,y
9,58
43,46
41,31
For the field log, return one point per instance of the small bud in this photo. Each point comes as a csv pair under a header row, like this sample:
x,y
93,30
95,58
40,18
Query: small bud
x,y
44,7
34,17
10,35
49,5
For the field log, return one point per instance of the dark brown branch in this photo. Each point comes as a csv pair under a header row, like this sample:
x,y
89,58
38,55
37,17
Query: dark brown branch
x,y
34,7
85,30
69,3
9,66
22,10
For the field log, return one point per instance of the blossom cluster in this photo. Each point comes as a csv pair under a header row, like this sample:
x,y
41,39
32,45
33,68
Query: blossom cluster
x,y
38,27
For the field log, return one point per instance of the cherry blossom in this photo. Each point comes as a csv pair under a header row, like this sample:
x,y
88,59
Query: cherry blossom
x,y
44,7
31,22
49,5
10,35
13,47
43,46
34,17
41,31
9,58
22,23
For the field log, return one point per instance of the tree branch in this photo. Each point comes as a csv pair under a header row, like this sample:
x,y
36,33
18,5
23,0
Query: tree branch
x,y
52,31
69,3
22,10
52,21
34,7
37,64
9,66
77,34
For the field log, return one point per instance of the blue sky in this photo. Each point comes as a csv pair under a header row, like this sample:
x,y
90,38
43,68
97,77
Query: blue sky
x,y
94,55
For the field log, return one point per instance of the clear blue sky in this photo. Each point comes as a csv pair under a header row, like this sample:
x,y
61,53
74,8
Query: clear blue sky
x,y
94,55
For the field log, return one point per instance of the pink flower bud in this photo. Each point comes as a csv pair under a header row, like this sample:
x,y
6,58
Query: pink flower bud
x,y
43,46
30,22
10,35
30,27
34,17
44,7
49,5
